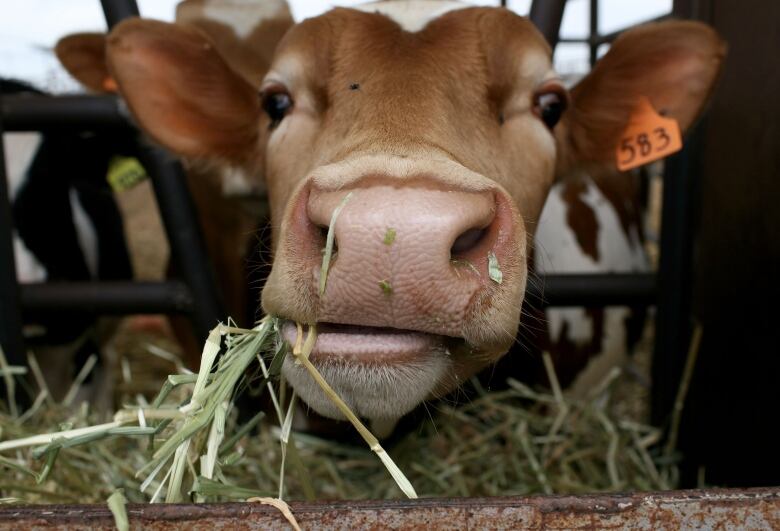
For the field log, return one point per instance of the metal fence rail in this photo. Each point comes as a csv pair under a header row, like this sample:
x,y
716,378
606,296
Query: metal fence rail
x,y
696,509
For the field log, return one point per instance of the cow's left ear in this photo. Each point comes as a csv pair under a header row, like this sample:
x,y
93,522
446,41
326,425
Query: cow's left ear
x,y
84,57
673,64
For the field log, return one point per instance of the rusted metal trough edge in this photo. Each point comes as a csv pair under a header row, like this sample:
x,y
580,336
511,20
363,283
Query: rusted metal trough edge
x,y
694,509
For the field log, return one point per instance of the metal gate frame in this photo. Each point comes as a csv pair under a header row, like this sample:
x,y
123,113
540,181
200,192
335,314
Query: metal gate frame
x,y
695,509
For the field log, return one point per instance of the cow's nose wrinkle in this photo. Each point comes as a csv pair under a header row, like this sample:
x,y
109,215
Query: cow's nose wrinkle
x,y
467,241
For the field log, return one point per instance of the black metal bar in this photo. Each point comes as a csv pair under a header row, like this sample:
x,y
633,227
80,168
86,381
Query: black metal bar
x,y
188,250
547,16
110,298
594,30
10,313
116,10
119,298
592,290
673,321
33,112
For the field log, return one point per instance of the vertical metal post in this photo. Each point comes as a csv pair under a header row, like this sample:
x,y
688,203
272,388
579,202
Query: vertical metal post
x,y
116,10
547,16
11,337
188,250
594,31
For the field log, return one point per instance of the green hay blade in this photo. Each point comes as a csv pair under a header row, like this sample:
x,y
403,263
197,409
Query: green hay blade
x,y
329,243
285,438
389,236
70,396
117,504
177,472
210,488
16,466
37,440
385,286
401,480
494,271
216,435
242,432
51,458
13,371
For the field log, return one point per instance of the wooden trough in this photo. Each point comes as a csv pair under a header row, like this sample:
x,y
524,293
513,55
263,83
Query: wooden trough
x,y
692,509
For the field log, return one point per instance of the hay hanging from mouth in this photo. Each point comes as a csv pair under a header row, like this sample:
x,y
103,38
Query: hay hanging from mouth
x,y
518,441
198,422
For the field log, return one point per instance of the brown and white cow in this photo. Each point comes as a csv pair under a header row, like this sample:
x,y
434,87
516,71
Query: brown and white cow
x,y
448,126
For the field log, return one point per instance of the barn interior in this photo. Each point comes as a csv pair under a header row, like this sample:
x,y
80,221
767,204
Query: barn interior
x,y
111,287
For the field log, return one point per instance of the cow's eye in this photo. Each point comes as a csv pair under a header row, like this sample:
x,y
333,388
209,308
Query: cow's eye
x,y
276,104
549,106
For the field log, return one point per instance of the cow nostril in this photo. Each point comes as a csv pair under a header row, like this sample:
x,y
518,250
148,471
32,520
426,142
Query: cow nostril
x,y
467,241
323,231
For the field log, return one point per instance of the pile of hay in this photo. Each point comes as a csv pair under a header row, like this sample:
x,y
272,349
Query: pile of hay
x,y
188,444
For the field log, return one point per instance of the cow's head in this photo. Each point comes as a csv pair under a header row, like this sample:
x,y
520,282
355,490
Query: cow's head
x,y
447,125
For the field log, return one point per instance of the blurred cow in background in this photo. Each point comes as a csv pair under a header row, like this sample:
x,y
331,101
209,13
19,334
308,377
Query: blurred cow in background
x,y
68,229
230,207
68,224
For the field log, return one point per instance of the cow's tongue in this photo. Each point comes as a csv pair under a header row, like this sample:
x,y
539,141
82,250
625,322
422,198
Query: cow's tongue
x,y
365,344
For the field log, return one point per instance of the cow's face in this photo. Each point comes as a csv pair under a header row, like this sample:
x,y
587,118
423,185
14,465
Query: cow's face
x,y
446,136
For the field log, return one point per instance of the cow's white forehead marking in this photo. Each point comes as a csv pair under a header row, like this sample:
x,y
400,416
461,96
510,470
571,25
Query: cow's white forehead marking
x,y
412,15
243,16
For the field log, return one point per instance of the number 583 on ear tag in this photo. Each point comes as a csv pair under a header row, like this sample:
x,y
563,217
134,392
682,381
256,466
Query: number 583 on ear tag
x,y
648,137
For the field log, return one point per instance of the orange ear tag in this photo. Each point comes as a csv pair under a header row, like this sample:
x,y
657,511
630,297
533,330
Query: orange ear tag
x,y
648,137
109,84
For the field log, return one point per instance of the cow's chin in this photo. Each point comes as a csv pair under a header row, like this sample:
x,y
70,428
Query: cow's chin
x,y
380,373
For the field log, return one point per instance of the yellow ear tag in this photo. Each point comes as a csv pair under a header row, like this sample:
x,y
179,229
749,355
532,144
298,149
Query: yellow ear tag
x,y
124,173
648,137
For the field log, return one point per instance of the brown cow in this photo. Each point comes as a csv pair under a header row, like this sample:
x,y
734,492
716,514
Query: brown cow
x,y
447,125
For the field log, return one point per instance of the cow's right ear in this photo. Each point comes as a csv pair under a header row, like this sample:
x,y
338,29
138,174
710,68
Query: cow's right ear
x,y
182,91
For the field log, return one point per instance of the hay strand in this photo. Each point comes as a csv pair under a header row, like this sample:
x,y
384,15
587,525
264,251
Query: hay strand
x,y
329,240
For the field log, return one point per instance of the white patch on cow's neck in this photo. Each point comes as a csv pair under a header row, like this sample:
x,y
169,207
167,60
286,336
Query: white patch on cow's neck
x,y
237,183
243,16
558,251
412,15
20,150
